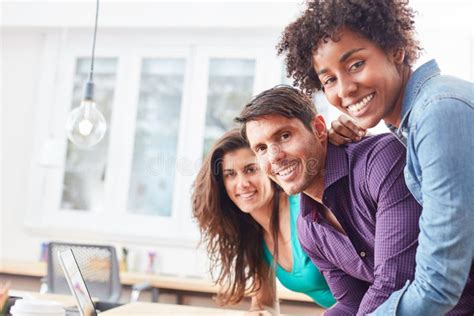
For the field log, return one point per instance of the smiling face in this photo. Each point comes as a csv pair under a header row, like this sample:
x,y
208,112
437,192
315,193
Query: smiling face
x,y
245,184
361,79
288,152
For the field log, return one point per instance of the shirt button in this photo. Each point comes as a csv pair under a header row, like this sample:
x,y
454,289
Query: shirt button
x,y
362,254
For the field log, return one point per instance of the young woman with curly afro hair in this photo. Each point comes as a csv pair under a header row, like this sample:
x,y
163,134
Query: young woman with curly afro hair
x,y
360,53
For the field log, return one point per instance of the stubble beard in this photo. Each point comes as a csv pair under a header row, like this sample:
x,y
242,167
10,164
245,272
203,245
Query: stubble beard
x,y
301,186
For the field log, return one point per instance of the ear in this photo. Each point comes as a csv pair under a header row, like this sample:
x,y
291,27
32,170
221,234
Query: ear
x,y
398,55
319,128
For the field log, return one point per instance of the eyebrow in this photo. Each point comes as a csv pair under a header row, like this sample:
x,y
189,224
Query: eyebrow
x,y
251,164
349,53
278,131
342,59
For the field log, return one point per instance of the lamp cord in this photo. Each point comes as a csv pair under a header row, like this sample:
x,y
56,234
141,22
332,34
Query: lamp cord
x,y
93,42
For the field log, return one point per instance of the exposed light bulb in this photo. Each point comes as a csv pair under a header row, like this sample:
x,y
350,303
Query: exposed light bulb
x,y
85,125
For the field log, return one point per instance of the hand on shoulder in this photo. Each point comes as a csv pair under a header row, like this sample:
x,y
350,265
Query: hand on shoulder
x,y
344,130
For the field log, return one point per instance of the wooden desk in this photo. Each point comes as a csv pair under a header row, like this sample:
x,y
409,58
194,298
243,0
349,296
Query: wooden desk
x,y
175,283
138,308
141,308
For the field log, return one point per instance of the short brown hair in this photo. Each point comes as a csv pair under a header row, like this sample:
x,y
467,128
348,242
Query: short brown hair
x,y
387,23
281,100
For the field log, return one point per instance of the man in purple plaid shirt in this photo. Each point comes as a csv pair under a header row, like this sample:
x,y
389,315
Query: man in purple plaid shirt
x,y
358,221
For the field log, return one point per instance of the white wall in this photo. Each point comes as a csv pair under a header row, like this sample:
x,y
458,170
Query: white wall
x,y
20,73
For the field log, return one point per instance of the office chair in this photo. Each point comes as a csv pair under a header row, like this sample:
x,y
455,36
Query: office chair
x,y
99,268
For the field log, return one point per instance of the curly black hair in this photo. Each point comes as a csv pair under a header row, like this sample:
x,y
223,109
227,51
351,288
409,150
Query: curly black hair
x,y
387,23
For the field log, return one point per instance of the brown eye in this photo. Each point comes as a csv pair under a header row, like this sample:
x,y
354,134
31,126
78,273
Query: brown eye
x,y
260,150
229,174
356,65
252,169
285,136
329,81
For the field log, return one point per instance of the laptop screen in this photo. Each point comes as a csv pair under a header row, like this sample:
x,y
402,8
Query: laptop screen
x,y
76,283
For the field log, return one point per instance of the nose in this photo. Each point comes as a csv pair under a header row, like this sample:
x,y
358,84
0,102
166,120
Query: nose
x,y
275,154
243,181
346,86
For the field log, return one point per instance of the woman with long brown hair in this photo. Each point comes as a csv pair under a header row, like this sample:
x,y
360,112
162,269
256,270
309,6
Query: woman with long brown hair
x,y
249,226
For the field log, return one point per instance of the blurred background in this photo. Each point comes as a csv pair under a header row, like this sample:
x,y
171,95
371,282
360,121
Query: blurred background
x,y
170,77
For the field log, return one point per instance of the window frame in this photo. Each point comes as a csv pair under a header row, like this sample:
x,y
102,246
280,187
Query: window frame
x,y
61,50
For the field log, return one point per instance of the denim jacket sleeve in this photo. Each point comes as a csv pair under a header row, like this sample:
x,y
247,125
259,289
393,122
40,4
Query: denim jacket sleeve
x,y
442,148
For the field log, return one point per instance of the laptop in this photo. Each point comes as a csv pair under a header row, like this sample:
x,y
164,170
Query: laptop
x,y
85,305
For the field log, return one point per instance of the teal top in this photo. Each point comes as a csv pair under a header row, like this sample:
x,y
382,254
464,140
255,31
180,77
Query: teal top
x,y
304,276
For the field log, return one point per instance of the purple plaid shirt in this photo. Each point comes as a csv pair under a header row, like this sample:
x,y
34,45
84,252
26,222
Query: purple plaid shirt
x,y
365,190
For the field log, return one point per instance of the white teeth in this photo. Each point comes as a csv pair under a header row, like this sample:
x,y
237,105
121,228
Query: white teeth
x,y
288,170
246,195
361,104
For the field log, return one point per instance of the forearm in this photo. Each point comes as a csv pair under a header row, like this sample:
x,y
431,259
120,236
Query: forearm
x,y
255,304
266,298
378,293
442,266
394,250
347,290
258,308
391,274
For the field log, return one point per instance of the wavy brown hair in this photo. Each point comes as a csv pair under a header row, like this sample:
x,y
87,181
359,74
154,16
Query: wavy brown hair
x,y
233,238
387,23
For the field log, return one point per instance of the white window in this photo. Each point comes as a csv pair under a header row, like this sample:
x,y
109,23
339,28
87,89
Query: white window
x,y
230,87
165,103
156,136
85,171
